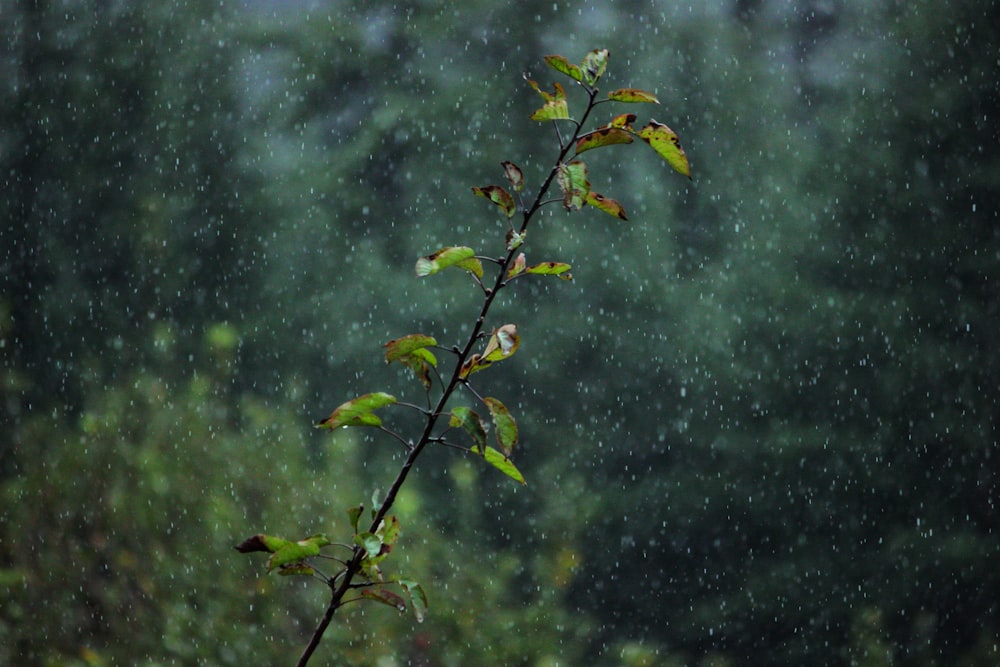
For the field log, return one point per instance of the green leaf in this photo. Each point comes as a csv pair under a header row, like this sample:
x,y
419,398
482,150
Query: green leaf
x,y
665,142
555,107
517,267
471,422
418,599
445,257
606,204
358,412
498,196
624,121
407,345
292,552
370,543
593,65
354,515
572,179
261,542
385,597
605,136
506,427
292,569
560,269
515,239
560,64
502,344
632,95
501,463
514,175
388,531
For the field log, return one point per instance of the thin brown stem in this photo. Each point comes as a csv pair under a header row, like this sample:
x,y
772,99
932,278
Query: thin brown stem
x,y
343,582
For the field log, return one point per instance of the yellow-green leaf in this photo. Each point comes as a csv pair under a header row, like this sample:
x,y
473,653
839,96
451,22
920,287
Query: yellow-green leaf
x,y
498,196
560,64
572,179
470,422
606,204
605,136
624,121
593,65
560,269
358,412
632,95
555,107
666,143
444,258
506,427
401,347
501,463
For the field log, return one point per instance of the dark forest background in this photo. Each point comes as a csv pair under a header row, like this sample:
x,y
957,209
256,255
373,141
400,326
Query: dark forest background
x,y
759,428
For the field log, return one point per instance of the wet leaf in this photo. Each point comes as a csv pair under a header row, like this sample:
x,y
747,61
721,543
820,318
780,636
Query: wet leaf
x,y
517,267
502,344
354,515
624,121
632,95
261,542
296,569
555,107
292,552
506,427
572,179
514,175
593,65
358,412
370,543
560,269
401,347
515,239
606,204
460,256
605,136
471,422
385,597
418,599
560,64
665,142
389,530
501,463
498,196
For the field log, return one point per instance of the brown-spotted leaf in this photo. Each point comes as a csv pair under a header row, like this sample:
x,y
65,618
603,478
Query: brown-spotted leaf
x,y
385,597
461,256
555,107
358,411
514,175
506,427
606,204
401,347
572,179
517,267
560,64
632,95
594,64
498,196
666,143
605,136
471,423
560,269
623,121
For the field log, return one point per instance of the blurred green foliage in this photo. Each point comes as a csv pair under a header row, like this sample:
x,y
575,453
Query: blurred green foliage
x,y
758,428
